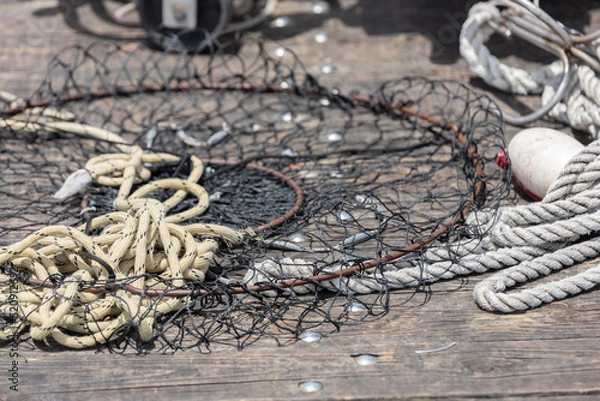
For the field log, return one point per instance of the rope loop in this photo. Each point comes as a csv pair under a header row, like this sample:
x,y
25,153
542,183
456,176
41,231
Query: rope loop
x,y
569,87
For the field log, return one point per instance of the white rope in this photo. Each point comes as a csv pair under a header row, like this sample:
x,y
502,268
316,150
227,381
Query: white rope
x,y
482,22
523,244
577,107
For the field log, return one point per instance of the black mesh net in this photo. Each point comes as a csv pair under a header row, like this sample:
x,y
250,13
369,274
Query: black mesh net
x,y
327,195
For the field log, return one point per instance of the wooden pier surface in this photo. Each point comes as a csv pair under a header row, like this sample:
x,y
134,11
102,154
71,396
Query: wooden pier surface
x,y
552,352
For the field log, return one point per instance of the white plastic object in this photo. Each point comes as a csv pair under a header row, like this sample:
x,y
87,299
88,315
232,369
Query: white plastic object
x,y
537,156
75,183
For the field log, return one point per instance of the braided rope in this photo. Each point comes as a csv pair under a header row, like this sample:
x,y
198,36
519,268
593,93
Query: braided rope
x,y
138,244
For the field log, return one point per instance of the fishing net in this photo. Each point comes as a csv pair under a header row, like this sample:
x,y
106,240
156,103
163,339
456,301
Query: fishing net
x,y
229,196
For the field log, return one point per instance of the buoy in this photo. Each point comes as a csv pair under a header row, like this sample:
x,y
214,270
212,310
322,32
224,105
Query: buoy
x,y
537,156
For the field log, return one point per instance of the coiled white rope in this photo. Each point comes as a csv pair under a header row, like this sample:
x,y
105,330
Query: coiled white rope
x,y
569,88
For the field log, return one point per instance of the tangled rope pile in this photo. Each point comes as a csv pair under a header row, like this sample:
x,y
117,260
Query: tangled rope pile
x,y
569,87
139,246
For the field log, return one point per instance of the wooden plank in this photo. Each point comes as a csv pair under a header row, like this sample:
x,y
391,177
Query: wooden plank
x,y
550,351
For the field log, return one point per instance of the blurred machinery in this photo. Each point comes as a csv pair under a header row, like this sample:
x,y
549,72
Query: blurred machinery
x,y
193,25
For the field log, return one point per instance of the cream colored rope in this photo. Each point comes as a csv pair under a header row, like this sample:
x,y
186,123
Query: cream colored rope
x,y
138,244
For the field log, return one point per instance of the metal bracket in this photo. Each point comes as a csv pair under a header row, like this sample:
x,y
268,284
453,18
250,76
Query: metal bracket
x,y
180,14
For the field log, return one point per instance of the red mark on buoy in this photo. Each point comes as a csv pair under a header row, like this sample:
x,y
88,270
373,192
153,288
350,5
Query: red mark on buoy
x,y
503,161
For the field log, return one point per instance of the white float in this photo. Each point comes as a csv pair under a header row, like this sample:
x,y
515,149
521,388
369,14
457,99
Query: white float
x,y
537,156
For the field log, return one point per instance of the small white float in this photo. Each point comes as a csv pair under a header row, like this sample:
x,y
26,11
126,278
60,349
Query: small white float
x,y
537,156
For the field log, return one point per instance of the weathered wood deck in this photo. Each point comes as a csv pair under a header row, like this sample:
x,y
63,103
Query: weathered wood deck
x,y
551,352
